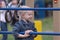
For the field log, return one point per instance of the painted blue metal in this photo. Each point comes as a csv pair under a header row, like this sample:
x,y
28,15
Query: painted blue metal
x,y
40,4
33,33
39,9
44,33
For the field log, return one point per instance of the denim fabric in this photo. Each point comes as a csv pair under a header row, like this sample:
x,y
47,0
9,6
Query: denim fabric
x,y
22,26
3,27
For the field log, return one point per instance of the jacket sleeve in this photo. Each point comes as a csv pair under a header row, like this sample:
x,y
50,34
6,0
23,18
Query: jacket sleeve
x,y
34,29
16,29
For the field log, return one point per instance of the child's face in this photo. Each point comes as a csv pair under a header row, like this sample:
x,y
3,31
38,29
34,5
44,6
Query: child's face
x,y
28,15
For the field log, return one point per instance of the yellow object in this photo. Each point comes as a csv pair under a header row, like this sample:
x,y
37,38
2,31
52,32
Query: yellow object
x,y
0,36
38,26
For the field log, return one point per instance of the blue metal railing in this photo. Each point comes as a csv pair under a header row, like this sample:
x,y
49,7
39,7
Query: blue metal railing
x,y
55,9
33,33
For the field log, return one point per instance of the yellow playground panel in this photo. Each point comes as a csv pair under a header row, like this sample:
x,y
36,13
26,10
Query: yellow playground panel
x,y
38,25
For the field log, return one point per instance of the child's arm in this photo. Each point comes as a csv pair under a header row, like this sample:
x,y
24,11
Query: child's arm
x,y
25,35
16,31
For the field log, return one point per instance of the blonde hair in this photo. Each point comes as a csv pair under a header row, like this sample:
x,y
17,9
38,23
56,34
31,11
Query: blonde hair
x,y
24,6
25,10
21,12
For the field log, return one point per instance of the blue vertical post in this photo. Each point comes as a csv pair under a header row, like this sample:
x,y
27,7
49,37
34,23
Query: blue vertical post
x,y
40,4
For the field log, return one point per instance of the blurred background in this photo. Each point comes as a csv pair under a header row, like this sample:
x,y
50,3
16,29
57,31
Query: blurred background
x,y
45,17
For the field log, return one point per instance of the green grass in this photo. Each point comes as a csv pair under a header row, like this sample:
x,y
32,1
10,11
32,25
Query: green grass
x,y
10,36
47,26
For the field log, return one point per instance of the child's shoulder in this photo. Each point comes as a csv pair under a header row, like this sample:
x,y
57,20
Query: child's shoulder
x,y
19,22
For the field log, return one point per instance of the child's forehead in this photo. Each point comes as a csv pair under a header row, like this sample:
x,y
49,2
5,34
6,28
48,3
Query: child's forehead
x,y
27,11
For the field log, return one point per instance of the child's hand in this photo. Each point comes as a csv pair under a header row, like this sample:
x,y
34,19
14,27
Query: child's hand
x,y
27,33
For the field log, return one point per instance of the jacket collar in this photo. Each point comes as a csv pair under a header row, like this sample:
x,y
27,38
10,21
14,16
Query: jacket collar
x,y
25,22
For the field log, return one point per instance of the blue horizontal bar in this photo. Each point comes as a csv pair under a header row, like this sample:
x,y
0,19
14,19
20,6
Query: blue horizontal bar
x,y
33,33
56,9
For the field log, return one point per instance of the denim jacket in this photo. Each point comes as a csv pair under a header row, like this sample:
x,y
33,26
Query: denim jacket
x,y
22,26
